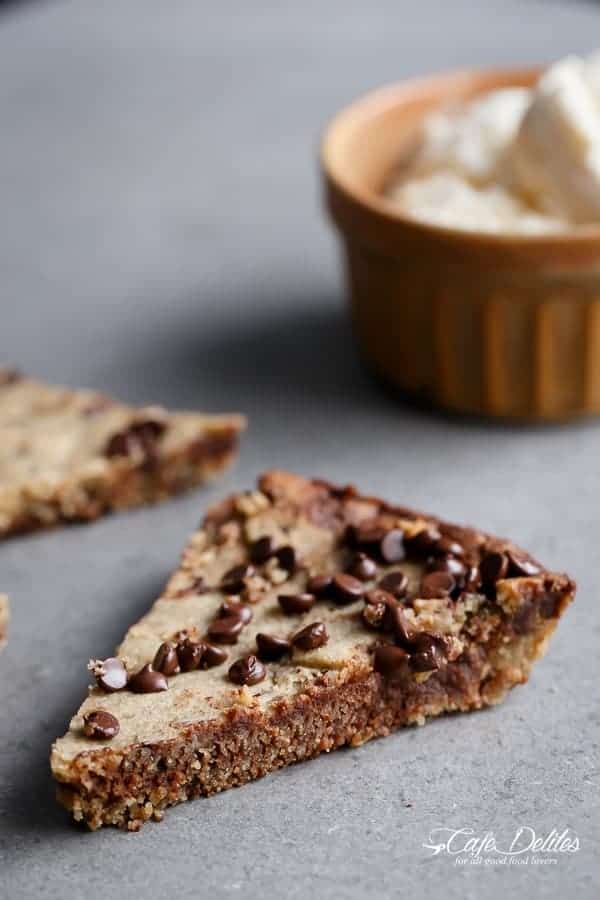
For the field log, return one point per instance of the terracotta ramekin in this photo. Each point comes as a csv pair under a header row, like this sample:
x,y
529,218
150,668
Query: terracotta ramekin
x,y
503,326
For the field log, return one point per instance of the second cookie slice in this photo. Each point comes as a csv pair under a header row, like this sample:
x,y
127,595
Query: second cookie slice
x,y
68,455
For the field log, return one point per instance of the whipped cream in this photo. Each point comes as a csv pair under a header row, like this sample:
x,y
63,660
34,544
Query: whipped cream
x,y
514,160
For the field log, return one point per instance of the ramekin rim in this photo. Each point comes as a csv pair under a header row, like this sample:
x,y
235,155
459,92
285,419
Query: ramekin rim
x,y
387,95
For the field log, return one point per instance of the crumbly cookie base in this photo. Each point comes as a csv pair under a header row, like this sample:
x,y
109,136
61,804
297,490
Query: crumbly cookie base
x,y
127,788
127,485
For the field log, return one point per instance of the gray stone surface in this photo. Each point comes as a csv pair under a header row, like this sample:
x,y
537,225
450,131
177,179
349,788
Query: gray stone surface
x,y
161,237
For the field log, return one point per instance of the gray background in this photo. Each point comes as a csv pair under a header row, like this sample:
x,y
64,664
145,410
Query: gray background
x,y
161,237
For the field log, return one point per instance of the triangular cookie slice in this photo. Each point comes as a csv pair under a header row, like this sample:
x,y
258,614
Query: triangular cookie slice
x,y
68,455
302,617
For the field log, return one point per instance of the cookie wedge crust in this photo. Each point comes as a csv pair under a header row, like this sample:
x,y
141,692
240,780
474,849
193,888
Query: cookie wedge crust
x,y
72,455
302,617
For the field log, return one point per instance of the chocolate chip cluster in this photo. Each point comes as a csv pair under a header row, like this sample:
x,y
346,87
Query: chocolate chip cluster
x,y
455,562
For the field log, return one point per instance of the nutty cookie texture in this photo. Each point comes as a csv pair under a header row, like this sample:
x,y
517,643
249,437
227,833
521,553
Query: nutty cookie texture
x,y
68,455
302,617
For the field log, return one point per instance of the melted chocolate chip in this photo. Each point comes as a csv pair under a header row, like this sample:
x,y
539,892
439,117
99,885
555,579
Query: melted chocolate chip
x,y
293,604
392,546
311,637
424,542
110,674
397,622
262,550
239,610
428,653
248,670
147,681
271,648
362,567
396,583
287,558
233,580
189,654
346,588
225,630
320,585
436,585
139,437
390,661
100,725
166,659
492,568
212,656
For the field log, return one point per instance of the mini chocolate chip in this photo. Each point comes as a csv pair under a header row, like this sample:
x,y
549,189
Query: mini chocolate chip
x,y
271,648
395,582
110,674
233,580
189,654
320,584
262,550
520,565
428,653
147,681
445,546
100,725
287,558
392,546
492,568
422,543
346,588
140,436
248,670
166,659
397,622
225,630
467,538
212,656
311,637
368,534
232,608
436,585
292,604
390,661
455,567
362,567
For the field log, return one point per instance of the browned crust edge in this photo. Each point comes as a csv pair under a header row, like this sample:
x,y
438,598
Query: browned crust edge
x,y
128,485
128,787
